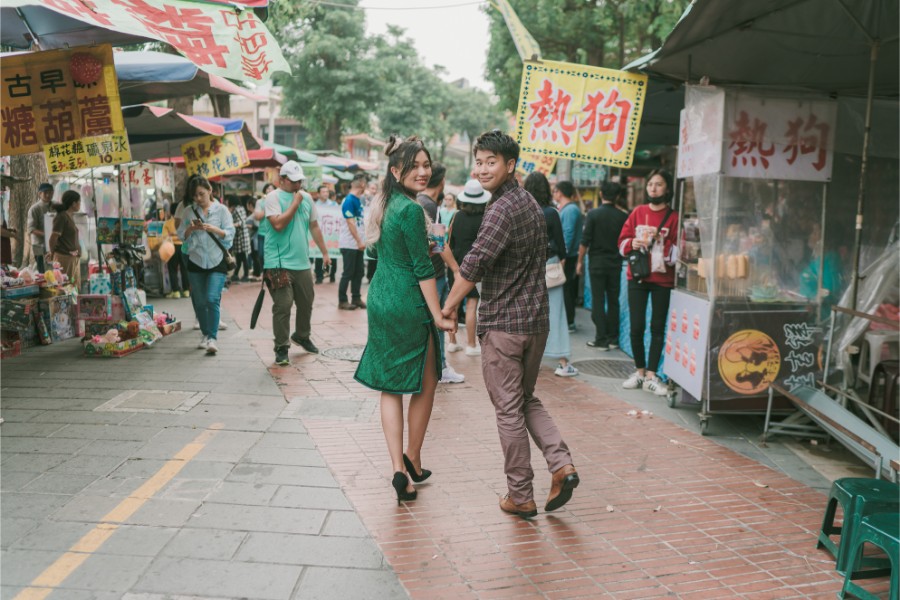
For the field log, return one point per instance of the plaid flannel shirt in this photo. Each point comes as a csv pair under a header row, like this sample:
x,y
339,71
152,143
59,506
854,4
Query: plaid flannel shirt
x,y
509,259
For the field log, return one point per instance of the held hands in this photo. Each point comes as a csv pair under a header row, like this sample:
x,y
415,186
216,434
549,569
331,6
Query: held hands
x,y
446,324
449,315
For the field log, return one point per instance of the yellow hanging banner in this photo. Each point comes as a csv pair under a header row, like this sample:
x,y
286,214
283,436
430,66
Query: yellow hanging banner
x,y
215,155
579,112
525,44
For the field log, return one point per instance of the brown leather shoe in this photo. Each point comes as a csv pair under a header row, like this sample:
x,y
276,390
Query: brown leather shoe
x,y
565,479
359,303
526,510
346,306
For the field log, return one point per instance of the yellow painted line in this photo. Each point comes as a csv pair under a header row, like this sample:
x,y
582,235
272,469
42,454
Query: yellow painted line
x,y
53,576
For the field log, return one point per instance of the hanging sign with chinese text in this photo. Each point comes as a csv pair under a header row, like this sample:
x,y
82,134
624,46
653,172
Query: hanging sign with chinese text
x,y
58,96
86,153
535,163
579,112
215,155
771,138
700,131
221,39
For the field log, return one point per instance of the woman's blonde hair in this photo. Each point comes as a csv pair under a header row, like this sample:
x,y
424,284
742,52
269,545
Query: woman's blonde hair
x,y
401,155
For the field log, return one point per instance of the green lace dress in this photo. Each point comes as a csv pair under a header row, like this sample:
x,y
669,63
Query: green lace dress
x,y
400,324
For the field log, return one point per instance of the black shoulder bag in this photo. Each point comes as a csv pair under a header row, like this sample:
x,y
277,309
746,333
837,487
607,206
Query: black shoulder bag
x,y
230,262
639,260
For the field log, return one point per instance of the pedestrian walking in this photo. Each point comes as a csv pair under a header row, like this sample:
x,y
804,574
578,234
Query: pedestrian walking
x,y
35,224
558,343
599,242
401,355
651,229
64,242
448,208
427,198
323,200
178,278
291,220
353,246
252,224
208,229
241,246
368,199
513,322
572,224
463,232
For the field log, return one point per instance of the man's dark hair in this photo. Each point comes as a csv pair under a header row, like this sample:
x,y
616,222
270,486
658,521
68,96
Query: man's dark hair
x,y
324,186
566,189
499,143
360,177
438,171
610,190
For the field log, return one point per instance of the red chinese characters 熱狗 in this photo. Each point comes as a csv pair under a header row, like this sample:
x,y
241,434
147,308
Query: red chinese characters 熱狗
x,y
555,118
806,137
748,141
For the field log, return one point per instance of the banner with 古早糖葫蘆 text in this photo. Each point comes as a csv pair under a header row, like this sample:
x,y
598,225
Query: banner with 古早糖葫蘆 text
x,y
580,113
58,97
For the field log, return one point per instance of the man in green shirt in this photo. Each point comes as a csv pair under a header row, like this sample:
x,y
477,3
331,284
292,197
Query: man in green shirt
x,y
291,218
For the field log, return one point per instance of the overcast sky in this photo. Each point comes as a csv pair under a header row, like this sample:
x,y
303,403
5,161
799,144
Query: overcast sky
x,y
450,33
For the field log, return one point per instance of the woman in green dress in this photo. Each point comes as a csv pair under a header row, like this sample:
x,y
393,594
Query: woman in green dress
x,y
404,311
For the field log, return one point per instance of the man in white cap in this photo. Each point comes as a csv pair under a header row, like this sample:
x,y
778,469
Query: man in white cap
x,y
291,217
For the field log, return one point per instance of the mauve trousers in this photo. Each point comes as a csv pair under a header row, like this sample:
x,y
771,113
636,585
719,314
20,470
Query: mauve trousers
x,y
510,366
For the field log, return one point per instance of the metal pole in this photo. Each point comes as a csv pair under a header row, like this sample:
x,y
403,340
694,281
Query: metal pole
x,y
821,253
864,159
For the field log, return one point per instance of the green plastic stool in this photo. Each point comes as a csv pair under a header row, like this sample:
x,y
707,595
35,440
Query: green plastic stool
x,y
881,530
858,497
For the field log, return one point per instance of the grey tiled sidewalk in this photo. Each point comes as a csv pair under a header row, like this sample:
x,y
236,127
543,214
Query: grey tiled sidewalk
x,y
255,514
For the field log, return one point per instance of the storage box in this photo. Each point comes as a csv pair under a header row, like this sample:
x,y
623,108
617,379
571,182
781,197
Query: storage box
x,y
10,349
170,328
22,291
113,350
58,315
95,307
17,314
100,283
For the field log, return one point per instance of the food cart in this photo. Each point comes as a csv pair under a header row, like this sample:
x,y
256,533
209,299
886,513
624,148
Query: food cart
x,y
753,276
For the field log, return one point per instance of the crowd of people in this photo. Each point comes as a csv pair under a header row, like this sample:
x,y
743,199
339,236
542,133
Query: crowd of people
x,y
502,257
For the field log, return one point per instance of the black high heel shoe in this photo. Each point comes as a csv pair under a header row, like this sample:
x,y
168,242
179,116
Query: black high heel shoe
x,y
411,469
400,482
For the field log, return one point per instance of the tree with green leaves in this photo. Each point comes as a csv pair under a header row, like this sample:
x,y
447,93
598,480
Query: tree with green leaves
x,y
334,84
600,33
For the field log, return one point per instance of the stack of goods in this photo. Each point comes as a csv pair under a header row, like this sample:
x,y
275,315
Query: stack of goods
x,y
167,323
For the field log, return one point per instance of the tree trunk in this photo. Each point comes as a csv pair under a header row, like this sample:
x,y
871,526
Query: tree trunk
x,y
33,169
333,137
221,104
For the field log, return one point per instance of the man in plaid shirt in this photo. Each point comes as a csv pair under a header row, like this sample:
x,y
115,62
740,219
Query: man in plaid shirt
x,y
509,258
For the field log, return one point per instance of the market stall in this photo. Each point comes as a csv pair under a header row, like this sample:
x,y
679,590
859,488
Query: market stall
x,y
754,273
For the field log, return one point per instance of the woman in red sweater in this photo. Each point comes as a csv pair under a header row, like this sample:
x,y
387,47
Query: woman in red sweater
x,y
645,231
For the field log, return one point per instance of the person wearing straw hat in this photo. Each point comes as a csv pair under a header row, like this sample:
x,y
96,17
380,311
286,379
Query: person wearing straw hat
x,y
463,231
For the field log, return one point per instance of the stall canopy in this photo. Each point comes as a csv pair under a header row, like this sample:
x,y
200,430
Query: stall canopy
x,y
259,159
346,164
293,153
231,42
154,76
26,24
819,45
845,48
155,132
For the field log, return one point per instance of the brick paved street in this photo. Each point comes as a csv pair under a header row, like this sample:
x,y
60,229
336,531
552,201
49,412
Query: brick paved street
x,y
661,512
167,474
